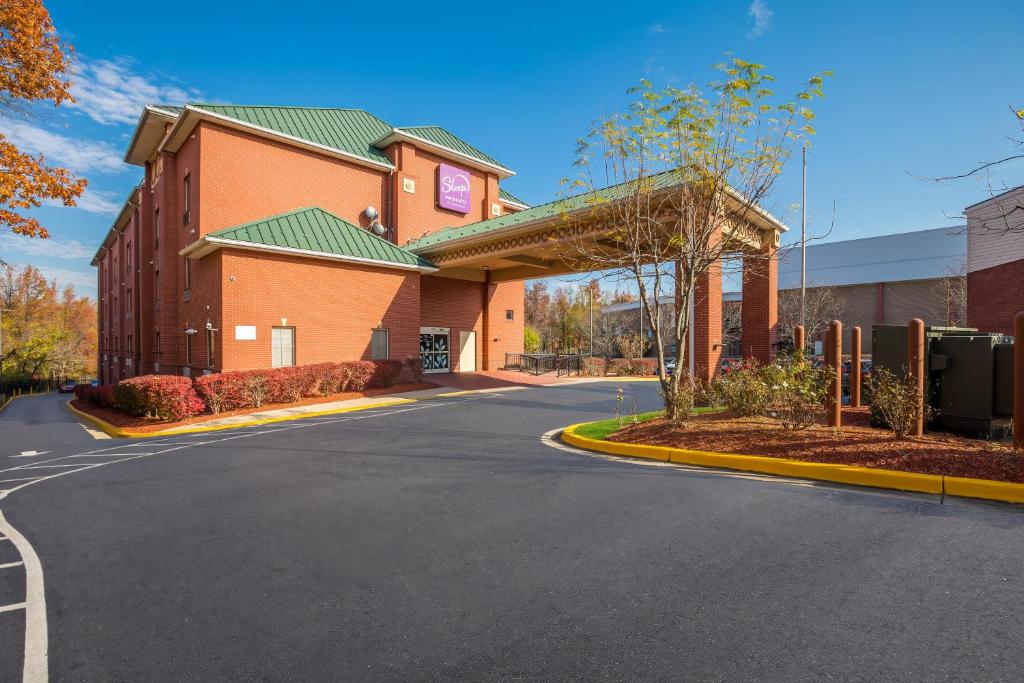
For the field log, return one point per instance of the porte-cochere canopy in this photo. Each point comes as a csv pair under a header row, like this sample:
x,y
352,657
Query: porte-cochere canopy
x,y
530,244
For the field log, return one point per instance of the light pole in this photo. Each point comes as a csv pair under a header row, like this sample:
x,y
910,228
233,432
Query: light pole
x,y
803,237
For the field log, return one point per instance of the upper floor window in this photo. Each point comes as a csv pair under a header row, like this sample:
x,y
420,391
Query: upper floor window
x,y
188,273
186,198
156,228
128,258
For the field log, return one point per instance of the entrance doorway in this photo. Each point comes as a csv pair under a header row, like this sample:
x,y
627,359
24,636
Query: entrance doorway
x,y
435,349
467,351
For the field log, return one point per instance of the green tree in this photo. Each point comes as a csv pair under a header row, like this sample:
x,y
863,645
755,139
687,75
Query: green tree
x,y
689,167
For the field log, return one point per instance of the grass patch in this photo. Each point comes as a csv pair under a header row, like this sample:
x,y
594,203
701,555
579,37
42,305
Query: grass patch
x,y
602,429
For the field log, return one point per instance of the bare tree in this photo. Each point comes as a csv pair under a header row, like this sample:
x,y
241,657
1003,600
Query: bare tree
x,y
732,322
1009,214
953,290
822,306
673,185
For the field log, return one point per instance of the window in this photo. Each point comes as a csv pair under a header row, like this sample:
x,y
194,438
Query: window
x,y
379,344
282,346
188,273
509,314
128,302
156,228
209,348
156,285
188,349
156,344
187,197
128,258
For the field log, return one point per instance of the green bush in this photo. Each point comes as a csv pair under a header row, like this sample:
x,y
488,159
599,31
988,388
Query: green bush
x,y
744,390
798,391
896,401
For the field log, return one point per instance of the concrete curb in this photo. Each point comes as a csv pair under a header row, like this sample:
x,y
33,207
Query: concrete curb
x,y
842,474
119,433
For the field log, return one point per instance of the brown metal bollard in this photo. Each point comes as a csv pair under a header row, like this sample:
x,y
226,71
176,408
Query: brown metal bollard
x,y
855,367
1018,383
834,360
799,340
915,368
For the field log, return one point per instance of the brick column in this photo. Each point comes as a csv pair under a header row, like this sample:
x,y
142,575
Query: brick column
x,y
760,304
486,289
707,323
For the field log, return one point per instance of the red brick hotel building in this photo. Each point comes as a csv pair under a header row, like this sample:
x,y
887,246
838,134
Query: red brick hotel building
x,y
270,236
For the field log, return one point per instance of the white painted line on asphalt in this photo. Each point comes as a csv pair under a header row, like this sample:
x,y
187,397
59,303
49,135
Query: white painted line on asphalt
x,y
4,481
12,607
29,454
40,467
36,667
11,564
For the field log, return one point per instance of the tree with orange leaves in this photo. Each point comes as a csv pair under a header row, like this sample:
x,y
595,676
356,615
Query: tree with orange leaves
x,y
34,67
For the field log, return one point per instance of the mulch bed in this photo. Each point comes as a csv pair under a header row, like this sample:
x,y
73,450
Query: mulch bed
x,y
145,425
856,444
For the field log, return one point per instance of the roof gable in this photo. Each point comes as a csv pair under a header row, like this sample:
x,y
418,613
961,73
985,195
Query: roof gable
x,y
352,131
444,138
316,232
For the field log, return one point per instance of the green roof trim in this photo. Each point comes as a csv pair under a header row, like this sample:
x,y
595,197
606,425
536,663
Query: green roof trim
x,y
315,230
353,132
509,197
536,213
350,131
443,138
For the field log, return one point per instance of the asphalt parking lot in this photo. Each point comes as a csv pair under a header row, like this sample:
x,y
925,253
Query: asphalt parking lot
x,y
446,539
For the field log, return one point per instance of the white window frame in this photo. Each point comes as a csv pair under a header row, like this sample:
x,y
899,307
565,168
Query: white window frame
x,y
273,355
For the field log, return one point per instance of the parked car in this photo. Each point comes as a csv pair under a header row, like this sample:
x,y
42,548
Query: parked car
x,y
670,366
67,387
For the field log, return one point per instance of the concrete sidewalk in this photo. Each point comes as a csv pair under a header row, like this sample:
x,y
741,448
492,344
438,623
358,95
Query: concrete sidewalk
x,y
313,409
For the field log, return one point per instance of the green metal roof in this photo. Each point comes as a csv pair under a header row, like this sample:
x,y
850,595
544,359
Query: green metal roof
x,y
168,109
509,197
442,137
352,131
540,212
313,229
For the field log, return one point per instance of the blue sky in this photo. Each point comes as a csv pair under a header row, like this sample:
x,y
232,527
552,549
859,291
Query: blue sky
x,y
919,89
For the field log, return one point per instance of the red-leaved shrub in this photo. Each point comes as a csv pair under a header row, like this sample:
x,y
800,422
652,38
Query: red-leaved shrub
x,y
167,397
594,367
224,391
361,372
385,372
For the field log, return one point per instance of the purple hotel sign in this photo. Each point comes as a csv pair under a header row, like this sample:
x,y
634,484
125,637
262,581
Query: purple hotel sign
x,y
453,188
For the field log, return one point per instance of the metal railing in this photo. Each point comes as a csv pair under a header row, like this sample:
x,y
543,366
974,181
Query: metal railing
x,y
542,363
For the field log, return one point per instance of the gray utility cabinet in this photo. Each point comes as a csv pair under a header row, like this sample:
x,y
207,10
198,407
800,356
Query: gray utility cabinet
x,y
969,375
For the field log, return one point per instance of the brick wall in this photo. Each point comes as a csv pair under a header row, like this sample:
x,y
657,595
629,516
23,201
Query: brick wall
x,y
416,213
458,304
995,296
245,178
333,307
760,305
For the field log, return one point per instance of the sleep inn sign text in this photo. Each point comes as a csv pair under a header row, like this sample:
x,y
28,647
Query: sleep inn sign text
x,y
453,188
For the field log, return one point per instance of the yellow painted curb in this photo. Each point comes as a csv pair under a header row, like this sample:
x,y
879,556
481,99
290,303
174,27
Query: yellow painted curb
x,y
119,433
844,474
984,488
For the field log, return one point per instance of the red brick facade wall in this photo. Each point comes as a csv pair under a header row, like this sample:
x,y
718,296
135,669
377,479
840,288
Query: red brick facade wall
x,y
416,213
760,305
458,305
995,296
245,178
333,325
236,177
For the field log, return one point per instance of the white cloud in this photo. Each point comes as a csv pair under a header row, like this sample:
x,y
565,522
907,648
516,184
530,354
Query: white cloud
x,y
84,281
108,92
93,202
71,250
81,156
658,28
761,15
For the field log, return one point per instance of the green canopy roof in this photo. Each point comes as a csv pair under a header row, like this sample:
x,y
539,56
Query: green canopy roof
x,y
318,232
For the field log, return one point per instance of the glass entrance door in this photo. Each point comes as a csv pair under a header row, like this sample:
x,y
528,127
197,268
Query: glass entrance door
x,y
435,349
